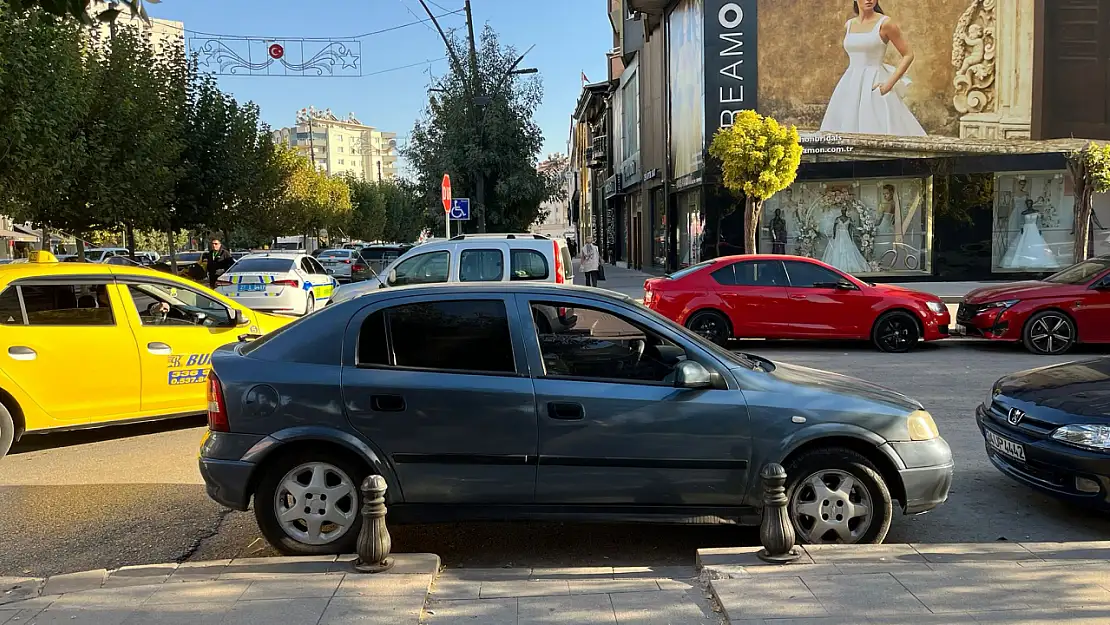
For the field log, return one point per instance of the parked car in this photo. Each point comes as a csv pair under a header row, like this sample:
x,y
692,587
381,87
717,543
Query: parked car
x,y
378,257
471,411
101,254
792,297
151,335
1049,429
344,264
278,282
1047,316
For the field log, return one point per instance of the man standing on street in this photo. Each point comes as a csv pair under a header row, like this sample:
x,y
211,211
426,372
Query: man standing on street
x,y
591,261
216,261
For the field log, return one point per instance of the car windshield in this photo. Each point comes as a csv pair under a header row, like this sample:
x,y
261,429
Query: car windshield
x,y
262,265
380,253
682,273
189,257
1081,273
742,359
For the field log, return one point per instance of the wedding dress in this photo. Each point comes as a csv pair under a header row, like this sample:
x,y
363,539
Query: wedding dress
x,y
842,253
1030,251
884,235
855,105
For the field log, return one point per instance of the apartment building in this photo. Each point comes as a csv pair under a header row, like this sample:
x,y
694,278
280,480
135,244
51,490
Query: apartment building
x,y
342,145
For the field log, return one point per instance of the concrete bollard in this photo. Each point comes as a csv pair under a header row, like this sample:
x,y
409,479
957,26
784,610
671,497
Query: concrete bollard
x,y
776,532
374,542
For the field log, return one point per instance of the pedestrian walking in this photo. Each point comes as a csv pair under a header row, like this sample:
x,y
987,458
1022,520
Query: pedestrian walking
x,y
590,259
217,260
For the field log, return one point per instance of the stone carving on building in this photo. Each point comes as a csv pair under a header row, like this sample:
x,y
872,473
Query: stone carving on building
x,y
973,57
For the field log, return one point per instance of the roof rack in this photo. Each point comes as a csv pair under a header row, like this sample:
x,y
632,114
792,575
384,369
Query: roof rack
x,y
463,237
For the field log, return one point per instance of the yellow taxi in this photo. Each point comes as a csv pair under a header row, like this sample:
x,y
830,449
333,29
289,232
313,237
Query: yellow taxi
x,y
90,344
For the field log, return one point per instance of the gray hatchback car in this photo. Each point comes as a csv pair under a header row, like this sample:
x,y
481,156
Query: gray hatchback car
x,y
470,412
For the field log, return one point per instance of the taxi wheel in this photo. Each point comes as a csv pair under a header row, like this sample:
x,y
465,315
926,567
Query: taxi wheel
x,y
7,430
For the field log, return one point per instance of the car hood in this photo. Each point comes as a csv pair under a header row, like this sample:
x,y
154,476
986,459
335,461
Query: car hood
x,y
267,323
896,289
358,289
1012,290
1079,388
828,382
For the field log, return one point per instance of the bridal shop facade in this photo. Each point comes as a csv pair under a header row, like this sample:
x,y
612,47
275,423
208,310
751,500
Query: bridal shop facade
x,y
955,169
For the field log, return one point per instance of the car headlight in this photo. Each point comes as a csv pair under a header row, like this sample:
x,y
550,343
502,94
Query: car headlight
x,y
937,307
1003,305
1095,437
922,427
991,394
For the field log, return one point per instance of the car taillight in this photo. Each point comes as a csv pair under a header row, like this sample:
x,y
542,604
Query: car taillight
x,y
358,268
559,277
292,283
223,281
217,409
347,261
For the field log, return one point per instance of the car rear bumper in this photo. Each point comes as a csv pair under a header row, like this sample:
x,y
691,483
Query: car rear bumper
x,y
227,481
936,326
1050,467
290,301
927,477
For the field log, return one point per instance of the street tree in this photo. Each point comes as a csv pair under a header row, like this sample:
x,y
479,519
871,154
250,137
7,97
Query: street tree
x,y
479,127
759,157
368,209
311,200
1090,169
80,9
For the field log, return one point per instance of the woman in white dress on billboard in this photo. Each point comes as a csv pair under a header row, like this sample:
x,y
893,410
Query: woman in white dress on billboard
x,y
868,98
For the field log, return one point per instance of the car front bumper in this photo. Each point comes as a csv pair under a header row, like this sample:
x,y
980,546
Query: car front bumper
x,y
927,476
1050,467
994,324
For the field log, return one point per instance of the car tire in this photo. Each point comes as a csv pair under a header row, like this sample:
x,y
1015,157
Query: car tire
x,y
1049,333
310,304
832,467
339,470
710,325
895,332
7,430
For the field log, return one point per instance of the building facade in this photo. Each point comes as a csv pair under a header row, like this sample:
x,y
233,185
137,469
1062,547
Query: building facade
x,y
959,171
342,146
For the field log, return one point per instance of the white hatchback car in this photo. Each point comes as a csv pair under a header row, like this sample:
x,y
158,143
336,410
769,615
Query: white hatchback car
x,y
278,282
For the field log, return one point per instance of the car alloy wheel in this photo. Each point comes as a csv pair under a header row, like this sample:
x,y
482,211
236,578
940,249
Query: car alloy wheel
x,y
316,503
310,305
895,333
710,326
831,506
1049,333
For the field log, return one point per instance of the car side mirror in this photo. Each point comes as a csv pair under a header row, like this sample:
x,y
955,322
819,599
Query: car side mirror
x,y
692,375
844,285
392,277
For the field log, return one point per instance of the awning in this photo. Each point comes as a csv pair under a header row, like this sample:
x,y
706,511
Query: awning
x,y
17,236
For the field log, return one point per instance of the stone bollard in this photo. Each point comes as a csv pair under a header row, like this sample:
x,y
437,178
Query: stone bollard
x,y
776,532
374,542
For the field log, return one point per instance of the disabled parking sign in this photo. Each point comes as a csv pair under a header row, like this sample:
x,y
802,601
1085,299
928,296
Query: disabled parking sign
x,y
460,209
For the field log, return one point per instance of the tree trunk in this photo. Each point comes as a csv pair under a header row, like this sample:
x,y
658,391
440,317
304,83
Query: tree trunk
x,y
44,242
172,252
129,240
753,210
80,247
1085,205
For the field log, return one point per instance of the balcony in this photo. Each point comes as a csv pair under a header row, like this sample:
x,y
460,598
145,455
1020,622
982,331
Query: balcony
x,y
651,7
597,153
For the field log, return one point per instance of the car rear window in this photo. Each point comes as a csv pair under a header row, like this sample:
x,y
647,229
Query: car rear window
x,y
380,253
335,254
263,265
682,273
189,257
528,265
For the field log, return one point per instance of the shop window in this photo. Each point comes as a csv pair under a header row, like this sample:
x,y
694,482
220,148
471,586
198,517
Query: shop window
x,y
1034,222
874,226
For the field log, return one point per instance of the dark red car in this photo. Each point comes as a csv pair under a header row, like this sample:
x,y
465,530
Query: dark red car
x,y
792,297
1049,316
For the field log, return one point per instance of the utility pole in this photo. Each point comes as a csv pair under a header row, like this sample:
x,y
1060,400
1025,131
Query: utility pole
x,y
476,87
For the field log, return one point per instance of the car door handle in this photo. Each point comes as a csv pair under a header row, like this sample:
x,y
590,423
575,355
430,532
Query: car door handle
x,y
566,411
797,297
387,403
159,349
19,352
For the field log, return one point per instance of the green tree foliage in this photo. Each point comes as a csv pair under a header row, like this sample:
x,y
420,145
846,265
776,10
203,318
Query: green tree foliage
x,y
386,210
1090,168
759,157
486,131
79,9
311,200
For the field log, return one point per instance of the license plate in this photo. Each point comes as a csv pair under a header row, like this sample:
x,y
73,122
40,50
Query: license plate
x,y
251,288
1006,446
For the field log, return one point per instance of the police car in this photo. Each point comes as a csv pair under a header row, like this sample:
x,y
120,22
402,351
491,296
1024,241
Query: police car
x,y
288,283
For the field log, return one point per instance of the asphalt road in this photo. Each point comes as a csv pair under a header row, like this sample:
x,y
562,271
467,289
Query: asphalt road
x,y
132,495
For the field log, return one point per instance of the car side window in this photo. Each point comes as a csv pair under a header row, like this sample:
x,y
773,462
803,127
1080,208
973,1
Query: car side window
x,y
808,275
317,268
527,265
11,313
423,269
306,266
175,306
68,305
469,336
756,273
604,347
481,266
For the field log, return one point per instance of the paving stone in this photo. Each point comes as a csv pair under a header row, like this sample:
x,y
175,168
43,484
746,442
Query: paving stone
x,y
262,568
579,610
447,587
277,612
384,585
180,614
1092,550
864,554
524,588
739,556
82,616
415,564
958,588
770,597
862,568
1039,617
18,589
678,584
655,572
605,586
877,594
483,575
824,620
139,575
198,571
293,587
573,572
978,552
40,603
792,570
362,611
218,591
501,611
130,596
75,582
662,608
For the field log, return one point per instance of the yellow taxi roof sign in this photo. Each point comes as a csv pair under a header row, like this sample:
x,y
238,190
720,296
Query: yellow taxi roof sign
x,y
42,256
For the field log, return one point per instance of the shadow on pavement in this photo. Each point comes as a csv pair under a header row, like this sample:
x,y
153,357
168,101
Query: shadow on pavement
x,y
55,440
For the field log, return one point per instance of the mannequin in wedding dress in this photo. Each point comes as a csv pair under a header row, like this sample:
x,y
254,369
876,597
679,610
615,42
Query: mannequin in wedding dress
x,y
885,232
1030,250
841,252
1018,205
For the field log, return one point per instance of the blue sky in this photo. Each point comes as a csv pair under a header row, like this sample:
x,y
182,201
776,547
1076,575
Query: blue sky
x,y
571,36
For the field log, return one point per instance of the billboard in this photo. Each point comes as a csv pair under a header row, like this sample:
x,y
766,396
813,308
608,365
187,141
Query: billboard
x,y
685,64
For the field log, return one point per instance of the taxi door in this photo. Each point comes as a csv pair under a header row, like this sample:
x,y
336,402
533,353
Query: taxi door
x,y
72,352
175,348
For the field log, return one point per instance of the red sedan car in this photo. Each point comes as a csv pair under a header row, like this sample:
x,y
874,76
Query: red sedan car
x,y
1049,316
792,297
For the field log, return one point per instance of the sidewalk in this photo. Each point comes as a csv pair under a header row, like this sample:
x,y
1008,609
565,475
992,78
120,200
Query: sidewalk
x,y
1001,583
